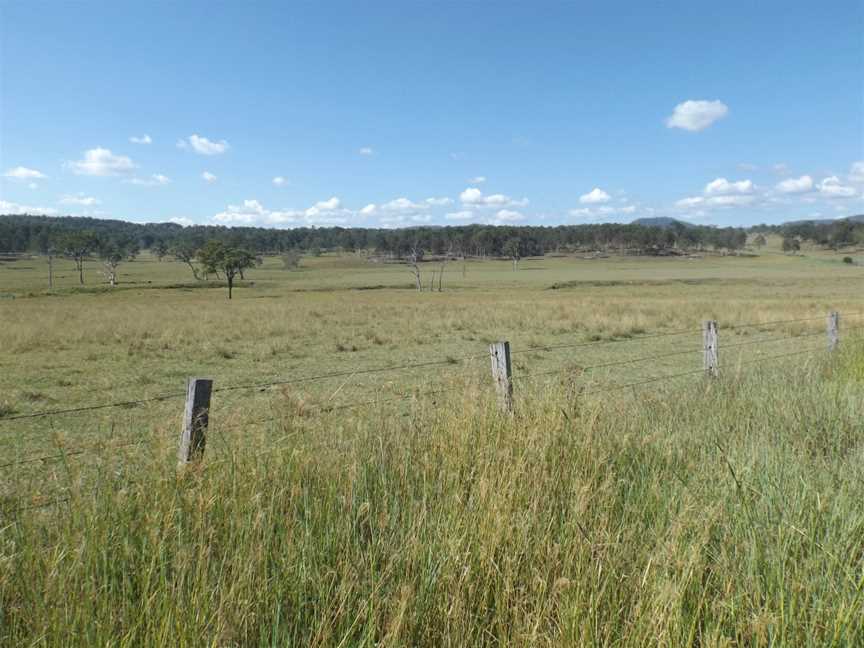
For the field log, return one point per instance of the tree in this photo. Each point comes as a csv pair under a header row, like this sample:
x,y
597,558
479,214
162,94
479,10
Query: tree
x,y
185,252
513,249
112,255
414,257
791,244
760,242
291,259
159,249
78,246
215,256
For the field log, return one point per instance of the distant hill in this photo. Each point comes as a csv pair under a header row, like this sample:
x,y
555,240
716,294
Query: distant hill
x,y
859,218
661,221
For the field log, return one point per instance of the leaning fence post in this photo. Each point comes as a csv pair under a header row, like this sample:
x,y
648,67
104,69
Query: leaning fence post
x,y
196,416
709,343
833,330
502,374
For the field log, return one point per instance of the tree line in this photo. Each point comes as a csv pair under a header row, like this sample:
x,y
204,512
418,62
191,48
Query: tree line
x,y
37,234
115,238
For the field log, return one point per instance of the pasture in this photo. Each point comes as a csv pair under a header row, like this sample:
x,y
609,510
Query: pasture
x,y
400,507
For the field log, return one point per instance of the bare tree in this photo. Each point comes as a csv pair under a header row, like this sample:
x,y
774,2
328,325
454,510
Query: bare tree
x,y
447,256
413,259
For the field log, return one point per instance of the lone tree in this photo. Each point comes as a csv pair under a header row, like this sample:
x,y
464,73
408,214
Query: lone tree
x,y
413,259
759,242
185,252
216,257
513,249
78,246
112,255
791,244
159,249
291,259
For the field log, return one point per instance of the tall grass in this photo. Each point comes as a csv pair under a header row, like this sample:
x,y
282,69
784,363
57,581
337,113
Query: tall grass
x,y
718,513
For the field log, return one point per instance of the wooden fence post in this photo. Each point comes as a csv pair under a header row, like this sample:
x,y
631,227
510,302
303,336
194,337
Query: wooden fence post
x,y
196,416
709,343
502,374
833,330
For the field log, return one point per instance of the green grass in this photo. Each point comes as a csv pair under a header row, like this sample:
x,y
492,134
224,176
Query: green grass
x,y
676,513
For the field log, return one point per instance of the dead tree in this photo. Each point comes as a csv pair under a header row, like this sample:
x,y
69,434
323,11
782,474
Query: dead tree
x,y
413,259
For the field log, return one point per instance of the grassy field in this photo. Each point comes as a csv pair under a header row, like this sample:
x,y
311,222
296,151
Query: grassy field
x,y
400,507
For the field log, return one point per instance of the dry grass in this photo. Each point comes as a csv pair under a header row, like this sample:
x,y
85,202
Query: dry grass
x,y
678,513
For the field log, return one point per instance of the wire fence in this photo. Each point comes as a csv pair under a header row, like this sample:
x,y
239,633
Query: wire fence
x,y
567,371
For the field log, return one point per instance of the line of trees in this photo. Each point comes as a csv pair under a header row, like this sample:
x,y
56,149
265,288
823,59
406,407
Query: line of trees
x,y
36,234
39,234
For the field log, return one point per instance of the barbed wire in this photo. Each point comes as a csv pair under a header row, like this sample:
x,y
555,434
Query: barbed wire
x,y
418,365
604,389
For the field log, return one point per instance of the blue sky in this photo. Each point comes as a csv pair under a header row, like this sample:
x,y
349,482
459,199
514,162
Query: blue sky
x,y
396,114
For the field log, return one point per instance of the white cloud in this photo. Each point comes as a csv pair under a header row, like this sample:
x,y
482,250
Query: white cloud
x,y
439,202
155,180
401,205
79,199
508,216
101,162
603,211
715,201
459,215
249,212
202,145
279,181
366,150
696,115
185,222
23,173
722,187
687,203
595,196
831,188
7,207
473,196
781,168
730,201
477,180
795,185
327,212
369,209
746,166
144,139
208,177
856,173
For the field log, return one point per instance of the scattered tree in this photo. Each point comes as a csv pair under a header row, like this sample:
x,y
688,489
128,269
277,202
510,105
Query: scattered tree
x,y
78,246
215,256
513,249
291,259
791,244
186,253
413,259
159,249
112,256
759,241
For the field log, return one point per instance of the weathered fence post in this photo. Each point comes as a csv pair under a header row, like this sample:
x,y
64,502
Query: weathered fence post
x,y
502,374
833,330
196,416
709,343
